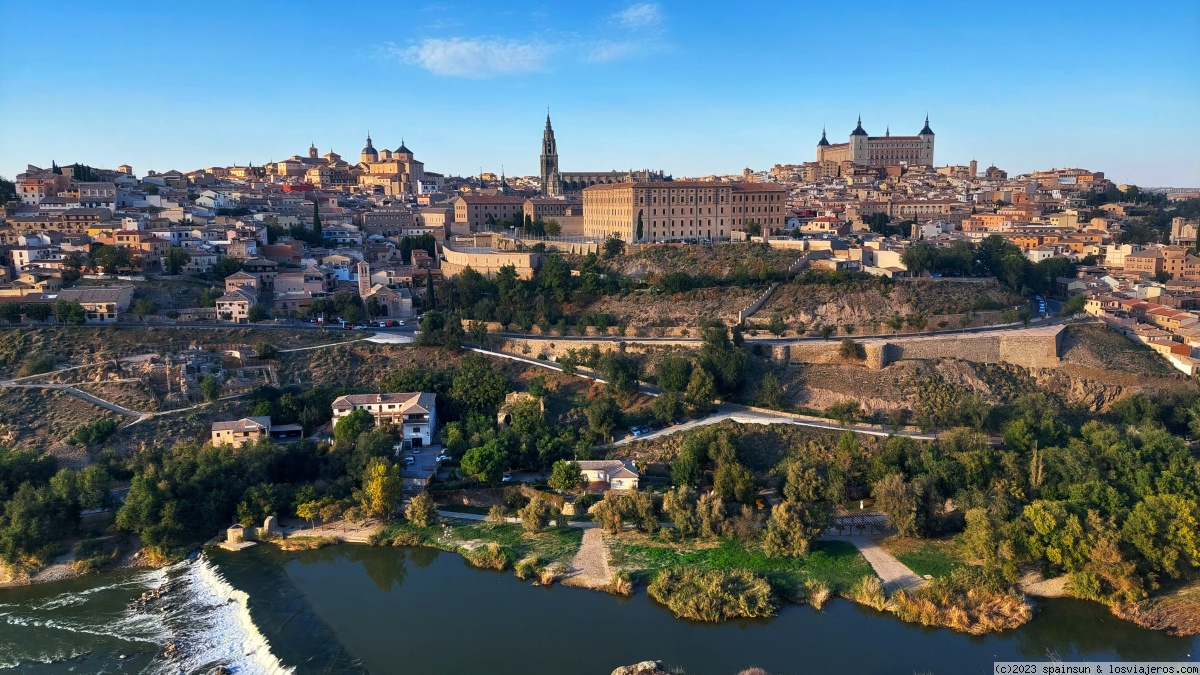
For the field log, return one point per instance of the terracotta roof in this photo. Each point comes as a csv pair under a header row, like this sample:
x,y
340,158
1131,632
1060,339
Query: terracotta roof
x,y
421,401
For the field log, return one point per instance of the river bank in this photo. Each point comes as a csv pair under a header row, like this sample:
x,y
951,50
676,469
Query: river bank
x,y
619,564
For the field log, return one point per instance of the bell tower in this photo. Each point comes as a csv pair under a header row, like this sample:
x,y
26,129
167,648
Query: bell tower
x,y
549,163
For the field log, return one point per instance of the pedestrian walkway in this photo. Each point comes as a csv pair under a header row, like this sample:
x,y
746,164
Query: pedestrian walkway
x,y
590,567
895,575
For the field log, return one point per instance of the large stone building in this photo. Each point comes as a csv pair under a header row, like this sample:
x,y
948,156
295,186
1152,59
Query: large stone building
x,y
681,210
394,173
415,413
555,182
886,150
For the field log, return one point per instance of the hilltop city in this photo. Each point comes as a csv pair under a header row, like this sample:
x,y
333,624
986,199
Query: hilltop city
x,y
930,387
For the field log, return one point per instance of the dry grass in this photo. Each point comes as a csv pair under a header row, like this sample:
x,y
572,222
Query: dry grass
x,y
975,611
713,595
305,543
869,591
1176,612
818,593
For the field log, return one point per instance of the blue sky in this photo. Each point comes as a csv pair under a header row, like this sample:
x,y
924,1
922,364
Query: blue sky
x,y
693,88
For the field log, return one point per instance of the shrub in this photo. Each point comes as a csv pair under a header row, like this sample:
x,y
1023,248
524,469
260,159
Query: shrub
x,y
849,350
818,593
490,557
869,591
536,515
713,595
963,602
495,515
93,433
525,567
621,584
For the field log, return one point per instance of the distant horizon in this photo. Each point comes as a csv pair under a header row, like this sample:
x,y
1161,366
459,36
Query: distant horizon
x,y
693,89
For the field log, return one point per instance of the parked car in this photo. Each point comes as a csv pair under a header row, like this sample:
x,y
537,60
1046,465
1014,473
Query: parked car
x,y
636,431
507,477
443,457
398,323
416,450
409,461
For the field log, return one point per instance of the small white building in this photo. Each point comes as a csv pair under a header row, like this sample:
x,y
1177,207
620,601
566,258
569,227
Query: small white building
x,y
618,474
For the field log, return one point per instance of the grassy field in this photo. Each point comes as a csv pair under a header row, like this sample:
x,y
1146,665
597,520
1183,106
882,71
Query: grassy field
x,y
935,557
835,563
553,545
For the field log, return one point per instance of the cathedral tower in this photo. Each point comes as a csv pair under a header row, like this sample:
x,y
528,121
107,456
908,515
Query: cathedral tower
x,y
926,137
549,163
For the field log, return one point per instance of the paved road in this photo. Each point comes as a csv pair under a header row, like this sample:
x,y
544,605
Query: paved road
x,y
737,413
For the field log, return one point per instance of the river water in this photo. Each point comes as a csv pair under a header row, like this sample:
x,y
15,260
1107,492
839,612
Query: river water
x,y
353,609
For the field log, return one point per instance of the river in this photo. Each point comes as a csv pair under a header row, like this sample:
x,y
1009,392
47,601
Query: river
x,y
351,609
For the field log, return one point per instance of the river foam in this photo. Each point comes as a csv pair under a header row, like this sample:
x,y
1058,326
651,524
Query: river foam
x,y
209,621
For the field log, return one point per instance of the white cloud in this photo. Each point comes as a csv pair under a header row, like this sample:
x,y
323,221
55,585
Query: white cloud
x,y
632,32
641,15
479,57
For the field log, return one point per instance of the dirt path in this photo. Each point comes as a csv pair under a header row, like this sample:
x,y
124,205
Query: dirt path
x,y
590,568
896,576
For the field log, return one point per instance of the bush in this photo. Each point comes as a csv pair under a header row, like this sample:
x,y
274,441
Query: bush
x,y
964,602
713,595
849,350
490,557
621,584
94,433
818,593
869,591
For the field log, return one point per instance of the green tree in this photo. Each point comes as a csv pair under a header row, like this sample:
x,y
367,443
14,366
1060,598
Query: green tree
x,y
175,260
487,462
770,393
610,512
710,510
680,506
266,350
734,482
897,499
347,429
421,510
639,226
257,313
381,488
791,528
70,312
701,390
477,388
566,476
673,373
603,415
211,387
317,237
535,516
144,307
666,407
1165,529
776,325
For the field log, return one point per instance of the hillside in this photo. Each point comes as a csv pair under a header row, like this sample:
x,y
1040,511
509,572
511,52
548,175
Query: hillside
x,y
864,305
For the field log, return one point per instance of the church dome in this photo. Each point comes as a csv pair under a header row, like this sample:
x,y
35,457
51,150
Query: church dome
x,y
370,149
824,141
